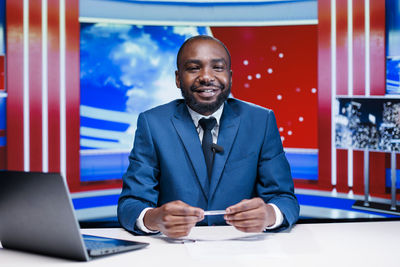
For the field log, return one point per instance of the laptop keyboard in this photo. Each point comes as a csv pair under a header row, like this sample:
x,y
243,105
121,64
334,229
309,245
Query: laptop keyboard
x,y
98,246
92,245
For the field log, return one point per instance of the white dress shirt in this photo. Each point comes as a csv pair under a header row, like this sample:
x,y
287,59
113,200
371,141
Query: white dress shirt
x,y
196,117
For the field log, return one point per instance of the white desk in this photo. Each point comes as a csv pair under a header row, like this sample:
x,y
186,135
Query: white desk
x,y
336,244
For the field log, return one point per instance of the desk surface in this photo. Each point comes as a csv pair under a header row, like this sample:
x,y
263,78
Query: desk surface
x,y
334,244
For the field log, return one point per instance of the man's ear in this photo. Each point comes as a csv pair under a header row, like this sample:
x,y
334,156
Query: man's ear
x,y
177,80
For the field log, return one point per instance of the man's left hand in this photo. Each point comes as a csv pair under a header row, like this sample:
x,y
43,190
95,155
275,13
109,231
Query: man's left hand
x,y
250,215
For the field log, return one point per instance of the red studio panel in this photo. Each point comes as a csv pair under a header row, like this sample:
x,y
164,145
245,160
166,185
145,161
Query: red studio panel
x,y
276,67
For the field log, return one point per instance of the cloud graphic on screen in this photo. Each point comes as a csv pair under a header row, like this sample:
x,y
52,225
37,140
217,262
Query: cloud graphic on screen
x,y
186,31
125,70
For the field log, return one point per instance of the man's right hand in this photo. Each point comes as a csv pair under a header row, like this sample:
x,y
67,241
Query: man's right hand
x,y
174,219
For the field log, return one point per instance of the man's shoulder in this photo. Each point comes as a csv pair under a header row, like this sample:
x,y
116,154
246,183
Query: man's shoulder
x,y
163,110
242,107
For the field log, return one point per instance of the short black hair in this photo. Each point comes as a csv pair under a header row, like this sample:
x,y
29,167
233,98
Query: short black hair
x,y
200,37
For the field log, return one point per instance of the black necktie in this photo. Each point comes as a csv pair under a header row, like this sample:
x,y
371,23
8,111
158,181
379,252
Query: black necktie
x,y
207,125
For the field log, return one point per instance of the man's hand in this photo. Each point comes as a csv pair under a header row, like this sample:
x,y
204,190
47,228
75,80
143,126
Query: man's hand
x,y
250,215
174,219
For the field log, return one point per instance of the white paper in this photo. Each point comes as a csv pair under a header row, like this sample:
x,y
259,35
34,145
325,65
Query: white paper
x,y
221,233
214,212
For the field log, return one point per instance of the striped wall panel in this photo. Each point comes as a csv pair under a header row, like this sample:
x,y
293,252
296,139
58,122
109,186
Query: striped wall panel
x,y
42,38
351,62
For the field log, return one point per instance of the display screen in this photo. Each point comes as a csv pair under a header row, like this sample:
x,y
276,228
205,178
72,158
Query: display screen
x,y
127,69
368,124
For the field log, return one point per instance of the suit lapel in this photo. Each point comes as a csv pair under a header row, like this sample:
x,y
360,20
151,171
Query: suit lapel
x,y
229,126
187,132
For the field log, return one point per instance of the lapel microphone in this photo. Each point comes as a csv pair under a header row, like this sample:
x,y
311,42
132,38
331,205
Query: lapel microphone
x,y
217,149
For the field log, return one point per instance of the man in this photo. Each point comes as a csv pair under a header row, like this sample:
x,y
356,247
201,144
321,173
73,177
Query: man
x,y
175,172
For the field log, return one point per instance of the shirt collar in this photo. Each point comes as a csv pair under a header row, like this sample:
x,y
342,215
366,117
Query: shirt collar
x,y
197,116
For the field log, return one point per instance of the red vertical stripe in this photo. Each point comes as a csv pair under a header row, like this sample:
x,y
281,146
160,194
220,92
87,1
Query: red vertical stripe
x,y
15,59
377,173
2,67
342,166
3,158
341,84
358,84
377,47
53,45
358,48
358,172
378,78
324,94
35,84
341,48
72,91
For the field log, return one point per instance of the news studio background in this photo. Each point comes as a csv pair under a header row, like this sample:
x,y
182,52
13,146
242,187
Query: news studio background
x,y
127,68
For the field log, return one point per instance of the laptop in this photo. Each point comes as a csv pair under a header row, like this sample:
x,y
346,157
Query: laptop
x,y
36,215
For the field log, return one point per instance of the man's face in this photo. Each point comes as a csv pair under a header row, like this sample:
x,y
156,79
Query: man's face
x,y
204,75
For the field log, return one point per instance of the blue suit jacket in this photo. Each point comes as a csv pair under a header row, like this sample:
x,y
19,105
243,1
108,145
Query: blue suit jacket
x,y
167,163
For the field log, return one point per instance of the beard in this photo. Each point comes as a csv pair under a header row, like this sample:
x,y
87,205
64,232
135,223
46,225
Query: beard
x,y
205,108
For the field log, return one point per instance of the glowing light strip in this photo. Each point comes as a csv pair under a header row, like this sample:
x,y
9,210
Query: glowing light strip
x,y
350,81
214,1
367,50
333,90
101,144
63,142
105,134
26,84
45,115
90,152
106,192
106,115
350,46
300,150
350,167
200,23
